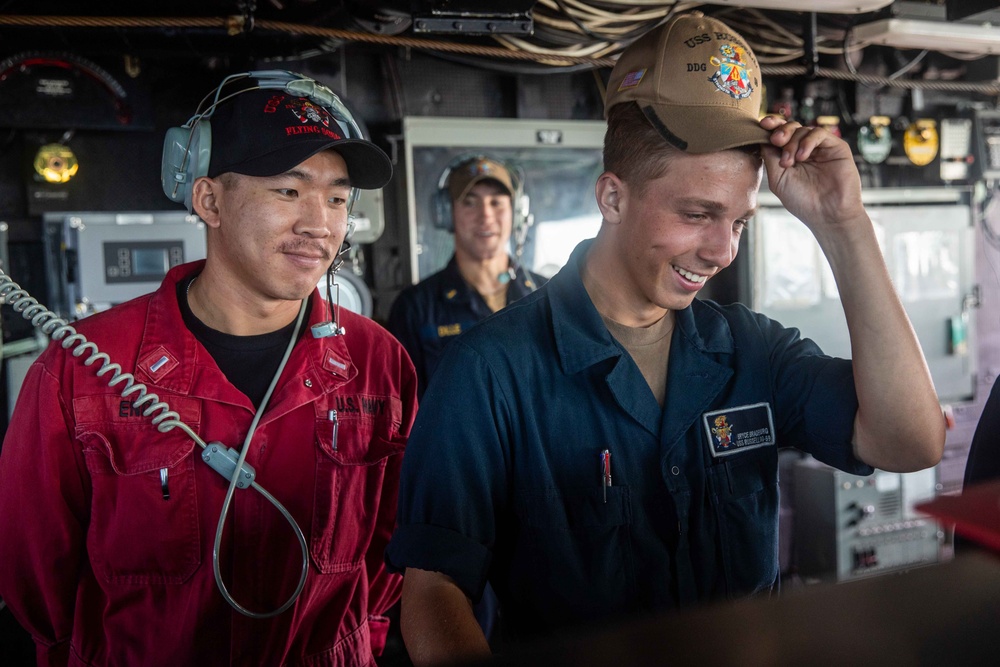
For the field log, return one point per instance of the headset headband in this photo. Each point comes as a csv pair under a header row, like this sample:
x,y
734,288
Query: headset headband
x,y
186,142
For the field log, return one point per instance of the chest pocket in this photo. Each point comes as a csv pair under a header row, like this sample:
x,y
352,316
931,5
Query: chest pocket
x,y
349,479
136,536
580,546
745,495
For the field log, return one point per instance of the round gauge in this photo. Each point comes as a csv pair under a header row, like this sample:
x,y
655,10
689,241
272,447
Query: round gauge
x,y
874,142
920,141
354,293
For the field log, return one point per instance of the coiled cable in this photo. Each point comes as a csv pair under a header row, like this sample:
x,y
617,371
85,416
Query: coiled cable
x,y
59,330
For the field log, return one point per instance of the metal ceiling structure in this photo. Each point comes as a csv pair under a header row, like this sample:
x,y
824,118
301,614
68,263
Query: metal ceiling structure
x,y
557,33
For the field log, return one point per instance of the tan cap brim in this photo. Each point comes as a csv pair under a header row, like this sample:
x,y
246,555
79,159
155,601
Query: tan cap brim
x,y
503,183
722,129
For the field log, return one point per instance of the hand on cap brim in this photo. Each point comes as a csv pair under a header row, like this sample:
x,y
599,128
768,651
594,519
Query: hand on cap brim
x,y
812,172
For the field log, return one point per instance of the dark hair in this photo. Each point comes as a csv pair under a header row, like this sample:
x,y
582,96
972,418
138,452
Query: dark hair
x,y
633,149
636,152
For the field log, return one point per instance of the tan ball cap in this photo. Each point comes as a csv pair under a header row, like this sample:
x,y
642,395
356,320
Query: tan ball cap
x,y
697,82
465,175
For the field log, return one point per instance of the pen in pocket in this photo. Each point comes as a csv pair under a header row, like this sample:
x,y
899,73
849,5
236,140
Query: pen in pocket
x,y
605,473
332,415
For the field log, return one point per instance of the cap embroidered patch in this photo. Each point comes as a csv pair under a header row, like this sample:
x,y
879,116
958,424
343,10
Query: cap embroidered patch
x,y
308,113
739,429
732,77
632,79
480,167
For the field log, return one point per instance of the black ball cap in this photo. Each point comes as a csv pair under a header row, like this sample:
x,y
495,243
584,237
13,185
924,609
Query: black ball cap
x,y
268,132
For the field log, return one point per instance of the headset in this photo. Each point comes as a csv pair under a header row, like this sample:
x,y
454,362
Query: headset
x,y
441,205
187,150
187,154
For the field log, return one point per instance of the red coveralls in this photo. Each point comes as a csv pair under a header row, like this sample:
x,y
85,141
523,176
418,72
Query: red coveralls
x,y
102,569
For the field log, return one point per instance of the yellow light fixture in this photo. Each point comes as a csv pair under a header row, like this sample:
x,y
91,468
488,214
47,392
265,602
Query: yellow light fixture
x,y
56,163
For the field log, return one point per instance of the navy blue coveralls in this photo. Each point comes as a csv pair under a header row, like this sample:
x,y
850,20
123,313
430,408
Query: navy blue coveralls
x,y
984,453
501,478
427,316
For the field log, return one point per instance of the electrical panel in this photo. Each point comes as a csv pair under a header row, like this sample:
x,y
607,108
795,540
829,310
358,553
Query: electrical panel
x,y
849,527
109,258
988,143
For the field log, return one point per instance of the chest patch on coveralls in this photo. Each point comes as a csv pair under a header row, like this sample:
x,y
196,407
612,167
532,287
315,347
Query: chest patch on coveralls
x,y
735,430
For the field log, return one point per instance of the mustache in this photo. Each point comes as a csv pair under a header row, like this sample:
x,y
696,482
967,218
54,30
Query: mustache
x,y
312,247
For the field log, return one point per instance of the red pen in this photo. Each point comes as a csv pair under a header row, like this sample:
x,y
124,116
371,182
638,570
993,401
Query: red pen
x,y
605,473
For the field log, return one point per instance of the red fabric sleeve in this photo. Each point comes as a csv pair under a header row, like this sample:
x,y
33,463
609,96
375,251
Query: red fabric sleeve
x,y
43,515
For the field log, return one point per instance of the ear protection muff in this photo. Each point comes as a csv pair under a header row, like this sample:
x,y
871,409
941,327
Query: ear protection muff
x,y
186,153
441,205
187,150
441,202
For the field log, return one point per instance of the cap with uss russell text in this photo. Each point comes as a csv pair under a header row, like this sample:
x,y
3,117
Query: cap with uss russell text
x,y
696,81
464,176
267,132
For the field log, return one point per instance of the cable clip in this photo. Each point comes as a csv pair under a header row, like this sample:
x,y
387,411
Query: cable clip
x,y
223,460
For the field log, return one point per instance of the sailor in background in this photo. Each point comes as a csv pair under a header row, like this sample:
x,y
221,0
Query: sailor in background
x,y
483,204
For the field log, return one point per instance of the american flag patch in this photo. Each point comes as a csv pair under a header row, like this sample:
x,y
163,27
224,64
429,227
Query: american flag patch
x,y
632,79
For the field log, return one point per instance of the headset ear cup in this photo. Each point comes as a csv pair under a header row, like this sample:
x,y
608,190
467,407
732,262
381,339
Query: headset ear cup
x,y
173,163
186,155
442,210
519,203
522,209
